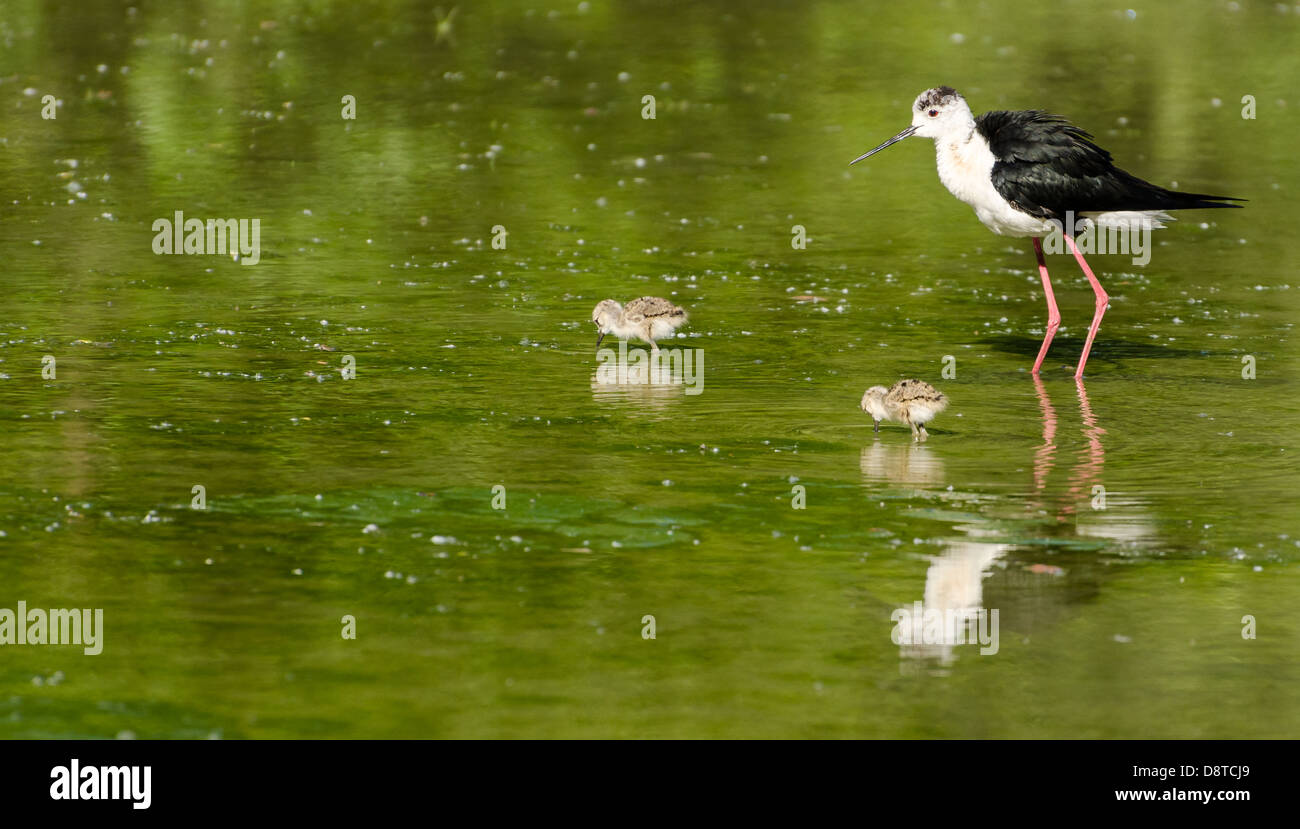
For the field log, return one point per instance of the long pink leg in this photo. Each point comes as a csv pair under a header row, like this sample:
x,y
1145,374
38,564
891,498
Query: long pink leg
x,y
1102,300
1053,315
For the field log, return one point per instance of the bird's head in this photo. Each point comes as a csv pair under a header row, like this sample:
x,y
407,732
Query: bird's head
x,y
605,315
873,402
939,111
936,113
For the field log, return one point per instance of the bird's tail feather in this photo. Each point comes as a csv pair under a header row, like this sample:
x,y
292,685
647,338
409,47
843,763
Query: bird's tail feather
x,y
1197,201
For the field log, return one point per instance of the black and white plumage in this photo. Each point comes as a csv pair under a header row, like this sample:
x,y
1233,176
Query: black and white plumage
x,y
1030,173
1047,167
1018,170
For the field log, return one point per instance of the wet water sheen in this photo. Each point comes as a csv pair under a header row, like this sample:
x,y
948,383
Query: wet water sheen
x,y
1122,528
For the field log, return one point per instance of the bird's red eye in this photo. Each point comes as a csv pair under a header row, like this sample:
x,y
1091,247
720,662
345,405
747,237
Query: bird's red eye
x,y
934,112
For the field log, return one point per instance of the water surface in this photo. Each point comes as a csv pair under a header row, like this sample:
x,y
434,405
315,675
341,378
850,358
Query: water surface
x,y
475,368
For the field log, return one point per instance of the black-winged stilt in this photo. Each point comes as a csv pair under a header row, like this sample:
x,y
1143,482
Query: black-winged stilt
x,y
1028,173
914,402
648,318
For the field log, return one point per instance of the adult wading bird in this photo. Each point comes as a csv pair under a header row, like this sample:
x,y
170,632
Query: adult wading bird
x,y
1029,173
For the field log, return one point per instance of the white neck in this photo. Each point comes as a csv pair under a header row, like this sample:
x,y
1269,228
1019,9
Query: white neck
x,y
965,164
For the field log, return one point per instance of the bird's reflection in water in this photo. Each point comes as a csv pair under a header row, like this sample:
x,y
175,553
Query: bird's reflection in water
x,y
1095,512
902,464
1113,516
640,386
952,613
1085,503
1044,458
1091,458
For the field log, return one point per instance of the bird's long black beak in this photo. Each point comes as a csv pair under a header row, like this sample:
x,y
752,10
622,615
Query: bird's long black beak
x,y
893,140
598,339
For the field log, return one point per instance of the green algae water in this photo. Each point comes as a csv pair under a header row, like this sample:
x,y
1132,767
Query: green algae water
x,y
504,530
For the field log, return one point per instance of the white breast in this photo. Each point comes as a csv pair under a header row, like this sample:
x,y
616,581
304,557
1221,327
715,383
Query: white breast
x,y
966,169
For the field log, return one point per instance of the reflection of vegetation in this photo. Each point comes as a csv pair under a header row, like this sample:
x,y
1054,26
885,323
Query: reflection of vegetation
x,y
239,112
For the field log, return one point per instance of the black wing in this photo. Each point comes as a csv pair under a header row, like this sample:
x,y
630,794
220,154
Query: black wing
x,y
1046,166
